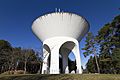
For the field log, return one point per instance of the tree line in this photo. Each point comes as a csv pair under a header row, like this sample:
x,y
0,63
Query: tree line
x,y
104,49
16,58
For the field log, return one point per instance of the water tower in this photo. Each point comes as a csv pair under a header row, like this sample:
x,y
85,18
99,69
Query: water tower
x,y
60,33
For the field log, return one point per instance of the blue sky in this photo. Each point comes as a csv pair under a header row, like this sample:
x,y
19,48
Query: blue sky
x,y
16,17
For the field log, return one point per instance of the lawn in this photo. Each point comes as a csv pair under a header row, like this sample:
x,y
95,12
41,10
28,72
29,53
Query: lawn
x,y
61,77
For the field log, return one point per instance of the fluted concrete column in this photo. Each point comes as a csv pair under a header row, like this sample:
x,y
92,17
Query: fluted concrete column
x,y
54,68
76,52
45,59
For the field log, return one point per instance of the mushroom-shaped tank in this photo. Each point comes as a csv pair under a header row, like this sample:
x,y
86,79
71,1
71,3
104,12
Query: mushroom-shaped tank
x,y
60,24
59,32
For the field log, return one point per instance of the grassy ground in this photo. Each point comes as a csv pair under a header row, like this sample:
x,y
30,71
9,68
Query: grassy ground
x,y
61,77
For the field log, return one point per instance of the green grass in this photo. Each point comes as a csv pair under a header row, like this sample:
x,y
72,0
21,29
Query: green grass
x,y
61,77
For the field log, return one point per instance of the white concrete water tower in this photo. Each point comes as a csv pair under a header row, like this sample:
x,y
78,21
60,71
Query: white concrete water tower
x,y
60,33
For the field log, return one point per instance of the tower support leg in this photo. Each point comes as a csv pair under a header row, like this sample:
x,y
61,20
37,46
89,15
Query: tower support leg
x,y
54,68
76,52
45,66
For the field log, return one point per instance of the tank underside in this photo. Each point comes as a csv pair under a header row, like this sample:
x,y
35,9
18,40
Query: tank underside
x,y
60,24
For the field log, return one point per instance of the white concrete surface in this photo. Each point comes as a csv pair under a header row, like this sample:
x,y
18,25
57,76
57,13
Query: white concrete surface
x,y
60,33
60,24
55,44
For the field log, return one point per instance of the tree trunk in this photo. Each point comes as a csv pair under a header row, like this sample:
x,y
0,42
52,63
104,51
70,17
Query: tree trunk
x,y
25,68
98,69
25,62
